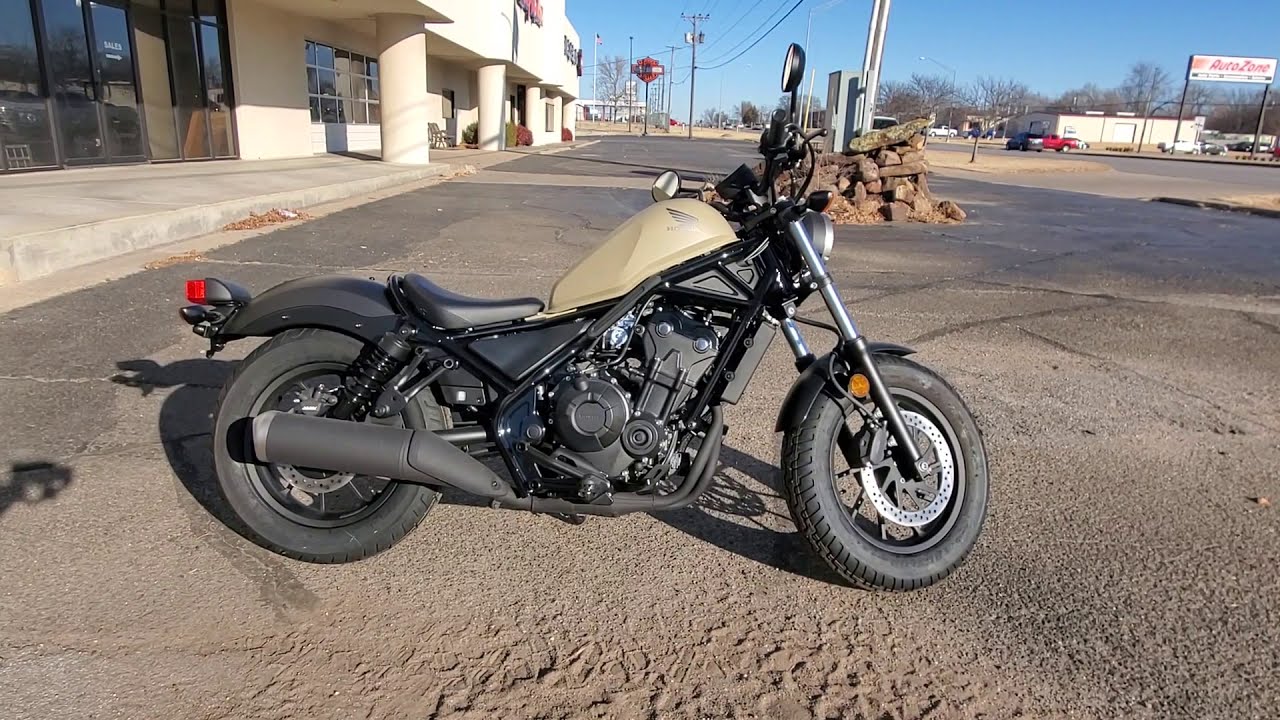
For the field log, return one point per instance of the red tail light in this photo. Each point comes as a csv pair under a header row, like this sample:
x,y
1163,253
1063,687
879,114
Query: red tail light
x,y
195,292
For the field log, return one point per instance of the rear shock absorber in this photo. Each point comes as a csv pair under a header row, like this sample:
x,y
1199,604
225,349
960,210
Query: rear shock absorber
x,y
376,365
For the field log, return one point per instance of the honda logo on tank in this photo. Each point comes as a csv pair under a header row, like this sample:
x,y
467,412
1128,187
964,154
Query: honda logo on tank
x,y
1225,68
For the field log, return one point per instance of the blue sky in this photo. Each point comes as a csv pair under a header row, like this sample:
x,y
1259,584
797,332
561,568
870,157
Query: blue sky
x,y
1049,48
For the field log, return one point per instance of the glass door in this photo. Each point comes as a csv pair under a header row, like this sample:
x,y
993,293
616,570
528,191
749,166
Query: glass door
x,y
117,83
92,80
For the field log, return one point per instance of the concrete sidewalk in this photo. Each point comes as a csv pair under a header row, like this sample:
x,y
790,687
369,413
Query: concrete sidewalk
x,y
55,220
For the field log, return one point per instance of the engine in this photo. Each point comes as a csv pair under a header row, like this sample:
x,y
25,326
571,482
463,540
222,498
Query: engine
x,y
618,414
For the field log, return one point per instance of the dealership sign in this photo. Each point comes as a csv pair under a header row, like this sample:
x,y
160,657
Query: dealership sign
x,y
1224,68
532,11
647,69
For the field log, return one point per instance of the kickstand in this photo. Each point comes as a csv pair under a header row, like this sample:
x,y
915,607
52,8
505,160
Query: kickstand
x,y
574,519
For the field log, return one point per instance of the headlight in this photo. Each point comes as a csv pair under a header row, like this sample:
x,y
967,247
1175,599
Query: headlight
x,y
822,232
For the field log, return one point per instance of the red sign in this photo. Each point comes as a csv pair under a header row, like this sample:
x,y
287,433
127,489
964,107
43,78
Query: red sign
x,y
1225,68
647,69
532,10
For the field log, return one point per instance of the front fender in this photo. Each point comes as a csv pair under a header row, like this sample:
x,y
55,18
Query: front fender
x,y
353,306
813,382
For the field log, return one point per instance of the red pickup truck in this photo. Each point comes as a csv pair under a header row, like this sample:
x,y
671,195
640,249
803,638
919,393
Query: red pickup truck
x,y
1061,144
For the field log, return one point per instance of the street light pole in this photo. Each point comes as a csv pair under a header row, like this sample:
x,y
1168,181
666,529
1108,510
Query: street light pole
x,y
631,63
951,106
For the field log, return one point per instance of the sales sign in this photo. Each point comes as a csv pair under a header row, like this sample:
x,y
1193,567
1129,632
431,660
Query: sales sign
x,y
1225,68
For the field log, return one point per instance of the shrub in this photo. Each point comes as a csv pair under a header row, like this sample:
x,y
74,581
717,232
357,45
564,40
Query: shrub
x,y
511,135
471,134
524,136
566,135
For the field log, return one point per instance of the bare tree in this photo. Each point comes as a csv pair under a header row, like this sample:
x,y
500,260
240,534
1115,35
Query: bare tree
x,y
998,99
612,82
1144,87
1200,98
748,113
1238,112
714,117
1088,97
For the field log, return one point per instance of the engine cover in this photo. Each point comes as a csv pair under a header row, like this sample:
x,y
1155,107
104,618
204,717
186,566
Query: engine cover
x,y
590,414
679,351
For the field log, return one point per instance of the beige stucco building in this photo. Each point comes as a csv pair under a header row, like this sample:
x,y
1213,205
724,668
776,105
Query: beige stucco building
x,y
103,81
1101,128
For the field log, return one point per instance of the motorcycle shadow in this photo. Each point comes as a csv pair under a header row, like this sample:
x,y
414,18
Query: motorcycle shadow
x,y
730,515
736,517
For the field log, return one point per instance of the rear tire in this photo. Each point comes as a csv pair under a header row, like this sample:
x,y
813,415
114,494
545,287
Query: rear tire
x,y
243,481
820,512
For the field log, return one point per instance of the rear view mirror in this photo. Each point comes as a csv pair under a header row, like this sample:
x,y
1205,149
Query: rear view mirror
x,y
666,186
793,68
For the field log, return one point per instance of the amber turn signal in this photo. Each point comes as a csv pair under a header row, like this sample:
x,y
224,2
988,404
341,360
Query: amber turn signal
x,y
859,386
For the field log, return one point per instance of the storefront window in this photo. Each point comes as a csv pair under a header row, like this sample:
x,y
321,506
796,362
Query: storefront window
x,y
26,129
342,86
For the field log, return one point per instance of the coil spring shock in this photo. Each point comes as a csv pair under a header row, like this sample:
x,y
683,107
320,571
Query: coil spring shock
x,y
376,365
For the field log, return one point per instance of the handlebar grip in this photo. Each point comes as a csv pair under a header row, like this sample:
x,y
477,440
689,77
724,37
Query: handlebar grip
x,y
777,127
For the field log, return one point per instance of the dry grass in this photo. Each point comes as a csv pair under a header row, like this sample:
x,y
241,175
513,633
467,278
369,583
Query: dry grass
x,y
606,128
271,217
1263,201
186,257
1013,164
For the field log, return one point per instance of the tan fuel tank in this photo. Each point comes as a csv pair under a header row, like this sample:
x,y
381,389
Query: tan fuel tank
x,y
661,236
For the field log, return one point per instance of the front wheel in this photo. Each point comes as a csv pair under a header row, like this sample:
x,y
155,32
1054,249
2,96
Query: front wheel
x,y
874,527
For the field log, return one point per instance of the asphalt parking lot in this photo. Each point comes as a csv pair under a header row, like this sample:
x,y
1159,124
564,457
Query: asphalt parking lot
x,y
1121,357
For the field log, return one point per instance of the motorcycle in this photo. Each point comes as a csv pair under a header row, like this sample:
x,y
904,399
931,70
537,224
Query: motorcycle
x,y
334,438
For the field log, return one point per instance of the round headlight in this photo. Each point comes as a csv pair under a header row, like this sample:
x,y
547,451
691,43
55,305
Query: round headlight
x,y
822,232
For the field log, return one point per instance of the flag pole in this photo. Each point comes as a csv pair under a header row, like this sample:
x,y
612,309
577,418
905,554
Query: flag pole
x,y
595,72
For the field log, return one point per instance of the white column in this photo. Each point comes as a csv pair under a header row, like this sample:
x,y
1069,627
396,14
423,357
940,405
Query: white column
x,y
402,65
570,115
557,112
492,102
534,115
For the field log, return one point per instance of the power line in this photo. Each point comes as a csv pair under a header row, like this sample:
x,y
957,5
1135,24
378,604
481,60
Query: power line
x,y
742,17
757,42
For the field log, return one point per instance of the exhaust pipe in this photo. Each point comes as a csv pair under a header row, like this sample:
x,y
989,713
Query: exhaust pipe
x,y
418,456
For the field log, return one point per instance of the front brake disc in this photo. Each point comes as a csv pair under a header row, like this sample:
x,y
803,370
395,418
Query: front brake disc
x,y
943,472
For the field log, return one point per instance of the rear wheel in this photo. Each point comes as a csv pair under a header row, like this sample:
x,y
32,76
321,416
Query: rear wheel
x,y
871,525
311,515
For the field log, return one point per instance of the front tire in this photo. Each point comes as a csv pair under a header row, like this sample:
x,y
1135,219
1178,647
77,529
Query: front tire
x,y
844,536
357,516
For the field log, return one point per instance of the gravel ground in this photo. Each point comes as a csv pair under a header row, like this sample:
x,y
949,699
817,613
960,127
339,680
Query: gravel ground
x,y
1121,357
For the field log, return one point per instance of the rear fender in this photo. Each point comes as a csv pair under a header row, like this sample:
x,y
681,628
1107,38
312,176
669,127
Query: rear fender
x,y
813,381
349,305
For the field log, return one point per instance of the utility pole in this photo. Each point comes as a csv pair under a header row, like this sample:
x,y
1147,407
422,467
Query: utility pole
x,y
695,39
631,64
670,80
872,61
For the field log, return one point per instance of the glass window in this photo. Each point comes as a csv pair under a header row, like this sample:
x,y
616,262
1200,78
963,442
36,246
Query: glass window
x,y
446,104
184,65
217,96
342,86
74,88
26,130
209,10
551,118
153,74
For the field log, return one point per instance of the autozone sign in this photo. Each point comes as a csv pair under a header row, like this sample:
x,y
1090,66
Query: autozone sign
x,y
1224,68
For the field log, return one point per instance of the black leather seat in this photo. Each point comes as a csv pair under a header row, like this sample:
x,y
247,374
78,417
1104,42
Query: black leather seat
x,y
452,311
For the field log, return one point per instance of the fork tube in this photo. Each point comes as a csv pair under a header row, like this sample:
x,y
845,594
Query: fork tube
x,y
856,345
804,356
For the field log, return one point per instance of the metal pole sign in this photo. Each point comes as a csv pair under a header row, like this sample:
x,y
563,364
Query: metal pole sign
x,y
646,70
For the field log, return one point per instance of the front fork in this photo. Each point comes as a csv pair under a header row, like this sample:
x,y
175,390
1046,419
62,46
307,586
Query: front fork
x,y
853,350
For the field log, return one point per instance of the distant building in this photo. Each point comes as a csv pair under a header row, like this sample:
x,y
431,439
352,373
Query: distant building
x,y
1097,127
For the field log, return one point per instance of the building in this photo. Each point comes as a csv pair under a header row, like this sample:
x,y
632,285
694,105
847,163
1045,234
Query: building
x,y
86,82
1097,127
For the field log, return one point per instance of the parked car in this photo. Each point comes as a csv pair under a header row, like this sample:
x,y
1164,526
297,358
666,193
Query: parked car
x,y
1026,141
1080,144
1181,146
1212,148
942,131
881,122
1059,143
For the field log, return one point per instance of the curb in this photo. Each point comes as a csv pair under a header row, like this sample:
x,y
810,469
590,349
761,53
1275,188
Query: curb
x,y
1214,205
1211,159
24,257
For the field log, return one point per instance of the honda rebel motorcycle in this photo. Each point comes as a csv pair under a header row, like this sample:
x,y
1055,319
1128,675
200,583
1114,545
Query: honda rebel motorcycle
x,y
334,438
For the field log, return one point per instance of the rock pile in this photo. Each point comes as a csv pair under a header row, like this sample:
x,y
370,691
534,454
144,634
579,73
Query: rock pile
x,y
882,176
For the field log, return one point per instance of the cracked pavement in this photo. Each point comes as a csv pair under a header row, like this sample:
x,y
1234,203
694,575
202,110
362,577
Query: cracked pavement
x,y
1121,358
